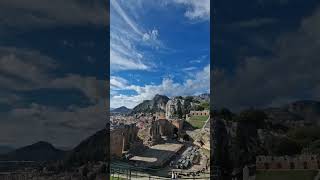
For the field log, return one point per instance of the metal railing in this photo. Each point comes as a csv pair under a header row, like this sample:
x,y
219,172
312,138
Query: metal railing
x,y
121,173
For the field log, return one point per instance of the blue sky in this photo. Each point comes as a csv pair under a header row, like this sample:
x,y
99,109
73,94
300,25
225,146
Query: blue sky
x,y
158,47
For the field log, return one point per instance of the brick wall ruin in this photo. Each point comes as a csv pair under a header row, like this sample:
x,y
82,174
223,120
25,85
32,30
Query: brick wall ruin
x,y
287,162
200,113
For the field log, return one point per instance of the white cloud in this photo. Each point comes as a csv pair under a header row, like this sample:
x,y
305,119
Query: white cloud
x,y
196,9
189,68
153,35
120,61
200,83
127,35
118,83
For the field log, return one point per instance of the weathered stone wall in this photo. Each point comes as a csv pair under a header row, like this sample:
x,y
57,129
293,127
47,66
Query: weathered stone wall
x,y
121,138
116,142
177,123
287,162
155,132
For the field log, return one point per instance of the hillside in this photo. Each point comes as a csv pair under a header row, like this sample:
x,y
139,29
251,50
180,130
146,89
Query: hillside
x,y
40,151
91,149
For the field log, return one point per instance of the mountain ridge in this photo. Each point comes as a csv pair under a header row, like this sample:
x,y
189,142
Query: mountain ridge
x,y
39,151
121,110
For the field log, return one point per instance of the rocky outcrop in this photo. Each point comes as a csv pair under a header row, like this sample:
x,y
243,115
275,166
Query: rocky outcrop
x,y
178,107
174,108
157,104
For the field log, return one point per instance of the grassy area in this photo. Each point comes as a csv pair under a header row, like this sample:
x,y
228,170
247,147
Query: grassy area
x,y
286,175
198,121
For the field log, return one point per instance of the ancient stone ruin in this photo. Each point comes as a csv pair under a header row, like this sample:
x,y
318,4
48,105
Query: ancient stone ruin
x,y
122,137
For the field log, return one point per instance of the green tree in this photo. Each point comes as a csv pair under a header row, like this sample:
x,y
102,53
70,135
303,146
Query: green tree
x,y
205,105
179,110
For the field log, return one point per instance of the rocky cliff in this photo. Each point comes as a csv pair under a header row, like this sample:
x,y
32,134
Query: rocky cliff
x,y
175,107
157,104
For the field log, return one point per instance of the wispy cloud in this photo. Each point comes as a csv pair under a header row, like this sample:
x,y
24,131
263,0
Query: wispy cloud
x,y
200,59
126,36
125,17
189,68
118,83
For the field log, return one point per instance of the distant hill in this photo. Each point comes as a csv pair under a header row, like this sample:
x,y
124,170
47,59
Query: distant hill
x,y
158,103
121,110
5,149
40,151
91,149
